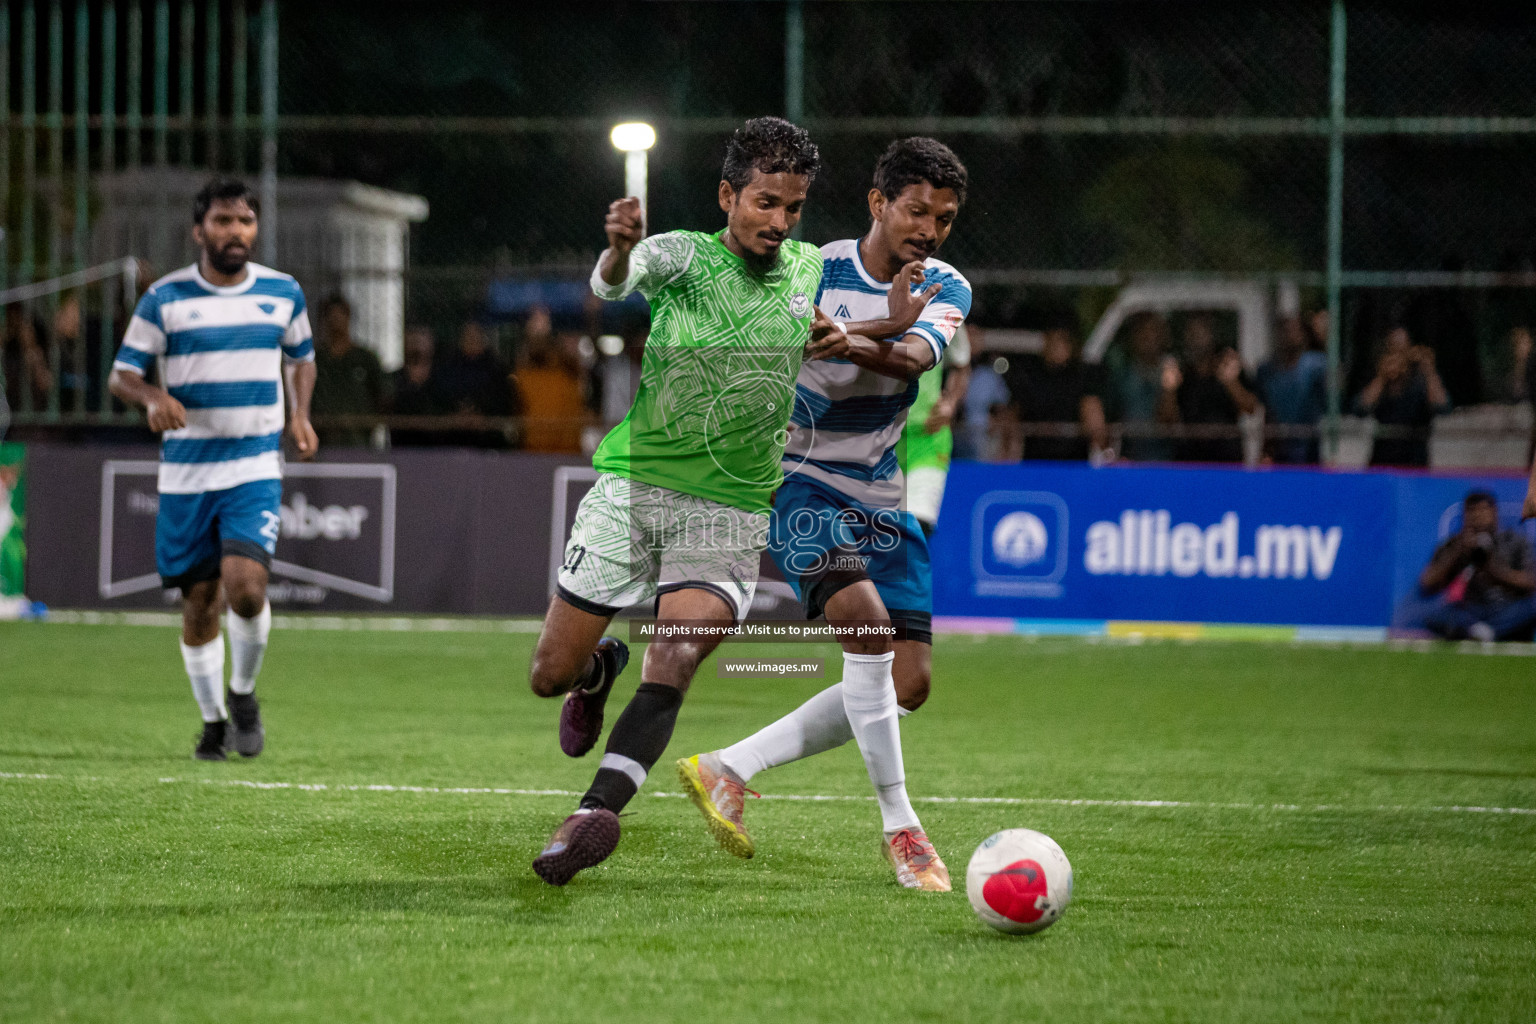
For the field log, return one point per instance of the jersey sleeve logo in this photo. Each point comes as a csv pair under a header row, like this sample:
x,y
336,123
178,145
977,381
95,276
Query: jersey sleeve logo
x,y
800,306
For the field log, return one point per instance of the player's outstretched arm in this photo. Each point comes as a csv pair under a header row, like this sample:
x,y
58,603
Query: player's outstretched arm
x,y
625,228
300,380
161,410
903,359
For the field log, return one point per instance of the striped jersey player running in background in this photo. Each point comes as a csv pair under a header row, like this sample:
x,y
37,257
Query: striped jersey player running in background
x,y
842,534
225,334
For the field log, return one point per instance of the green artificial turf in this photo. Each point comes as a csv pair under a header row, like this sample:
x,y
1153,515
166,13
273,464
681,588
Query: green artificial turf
x,y
139,885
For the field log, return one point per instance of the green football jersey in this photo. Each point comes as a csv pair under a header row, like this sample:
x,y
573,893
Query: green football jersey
x,y
717,380
918,447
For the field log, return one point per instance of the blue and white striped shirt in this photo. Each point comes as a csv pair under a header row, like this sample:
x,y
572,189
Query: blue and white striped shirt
x,y
220,353
848,420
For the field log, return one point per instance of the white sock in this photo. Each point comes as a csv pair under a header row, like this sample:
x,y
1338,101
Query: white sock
x,y
247,643
205,667
869,697
819,724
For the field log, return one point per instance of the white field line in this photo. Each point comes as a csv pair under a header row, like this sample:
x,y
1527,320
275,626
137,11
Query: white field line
x,y
1004,801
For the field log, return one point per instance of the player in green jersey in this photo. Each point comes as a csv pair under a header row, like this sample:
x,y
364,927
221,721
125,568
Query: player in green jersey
x,y
927,439
679,512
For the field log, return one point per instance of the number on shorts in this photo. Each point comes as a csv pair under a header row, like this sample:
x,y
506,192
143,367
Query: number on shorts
x,y
274,524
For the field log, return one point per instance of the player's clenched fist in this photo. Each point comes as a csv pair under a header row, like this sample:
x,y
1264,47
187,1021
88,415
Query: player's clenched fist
x,y
625,225
165,414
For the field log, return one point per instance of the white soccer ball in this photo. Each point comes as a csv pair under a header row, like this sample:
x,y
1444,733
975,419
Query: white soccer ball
x,y
1019,881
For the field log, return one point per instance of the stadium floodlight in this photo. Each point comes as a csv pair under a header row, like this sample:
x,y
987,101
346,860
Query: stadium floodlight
x,y
634,139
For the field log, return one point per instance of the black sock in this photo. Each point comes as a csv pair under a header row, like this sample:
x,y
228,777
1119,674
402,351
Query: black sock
x,y
638,739
592,674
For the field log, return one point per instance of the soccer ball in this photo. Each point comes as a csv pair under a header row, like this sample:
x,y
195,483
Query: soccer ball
x,y
1019,881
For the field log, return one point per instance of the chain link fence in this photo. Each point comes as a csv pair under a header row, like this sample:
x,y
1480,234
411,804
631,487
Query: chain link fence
x,y
1108,143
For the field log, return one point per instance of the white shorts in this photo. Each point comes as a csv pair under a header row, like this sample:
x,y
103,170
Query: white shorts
x,y
634,541
925,492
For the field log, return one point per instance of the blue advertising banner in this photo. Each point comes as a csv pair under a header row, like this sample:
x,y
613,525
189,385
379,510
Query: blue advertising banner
x,y
1292,547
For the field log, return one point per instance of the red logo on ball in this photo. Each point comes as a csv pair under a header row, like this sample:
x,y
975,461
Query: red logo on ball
x,y
1014,890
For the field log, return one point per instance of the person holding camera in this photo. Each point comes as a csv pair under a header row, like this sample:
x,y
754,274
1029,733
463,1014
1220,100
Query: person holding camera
x,y
1486,578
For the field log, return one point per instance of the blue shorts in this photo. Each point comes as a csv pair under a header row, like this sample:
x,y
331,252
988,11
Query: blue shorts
x,y
194,531
823,541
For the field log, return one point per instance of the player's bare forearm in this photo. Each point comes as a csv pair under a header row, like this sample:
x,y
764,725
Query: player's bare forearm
x,y
300,381
161,410
879,330
613,266
132,389
300,378
625,226
901,360
957,384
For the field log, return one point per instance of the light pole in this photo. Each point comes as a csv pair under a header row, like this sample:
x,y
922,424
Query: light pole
x,y
634,139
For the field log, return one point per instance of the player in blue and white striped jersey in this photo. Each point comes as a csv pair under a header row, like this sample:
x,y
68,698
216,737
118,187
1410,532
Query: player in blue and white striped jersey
x,y
224,335
840,532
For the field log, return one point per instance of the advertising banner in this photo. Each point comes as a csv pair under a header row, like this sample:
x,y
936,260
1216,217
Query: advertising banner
x,y
448,531
1294,547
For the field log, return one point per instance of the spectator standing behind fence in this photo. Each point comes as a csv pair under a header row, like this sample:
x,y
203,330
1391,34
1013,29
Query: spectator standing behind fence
x,y
1405,394
348,378
23,361
475,382
549,384
413,390
1216,390
1485,576
1144,391
1293,385
979,436
1057,388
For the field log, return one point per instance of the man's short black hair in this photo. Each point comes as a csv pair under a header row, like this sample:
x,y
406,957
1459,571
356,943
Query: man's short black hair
x,y
771,145
333,300
916,160
220,189
1480,498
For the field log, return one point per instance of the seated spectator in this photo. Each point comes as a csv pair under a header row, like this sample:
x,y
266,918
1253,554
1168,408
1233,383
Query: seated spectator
x,y
475,382
23,362
1485,576
1216,390
1293,385
549,384
1144,390
348,378
1057,388
414,390
1406,393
